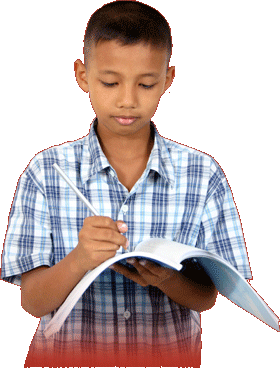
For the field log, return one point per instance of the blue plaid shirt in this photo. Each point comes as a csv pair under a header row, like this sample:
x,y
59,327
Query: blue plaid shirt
x,y
183,195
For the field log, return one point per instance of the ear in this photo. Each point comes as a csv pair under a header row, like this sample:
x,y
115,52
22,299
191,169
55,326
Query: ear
x,y
81,76
170,74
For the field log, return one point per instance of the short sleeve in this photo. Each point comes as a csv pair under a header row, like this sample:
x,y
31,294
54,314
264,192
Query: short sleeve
x,y
28,242
220,229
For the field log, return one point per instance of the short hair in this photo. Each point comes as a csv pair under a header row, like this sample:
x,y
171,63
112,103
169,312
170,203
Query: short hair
x,y
129,22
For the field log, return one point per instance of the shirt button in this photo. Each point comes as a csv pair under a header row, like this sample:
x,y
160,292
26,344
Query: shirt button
x,y
125,208
127,314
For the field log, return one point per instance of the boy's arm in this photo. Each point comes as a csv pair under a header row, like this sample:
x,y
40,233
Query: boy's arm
x,y
193,290
44,289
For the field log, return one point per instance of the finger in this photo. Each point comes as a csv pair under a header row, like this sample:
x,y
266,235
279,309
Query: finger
x,y
141,266
105,229
101,222
130,274
152,267
103,246
103,235
157,272
122,226
119,268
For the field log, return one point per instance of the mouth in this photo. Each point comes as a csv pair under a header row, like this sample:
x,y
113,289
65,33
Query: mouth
x,y
125,120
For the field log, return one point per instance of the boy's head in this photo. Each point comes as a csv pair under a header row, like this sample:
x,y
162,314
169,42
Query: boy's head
x,y
129,23
127,51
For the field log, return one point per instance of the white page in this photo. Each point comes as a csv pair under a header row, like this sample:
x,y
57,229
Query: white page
x,y
165,248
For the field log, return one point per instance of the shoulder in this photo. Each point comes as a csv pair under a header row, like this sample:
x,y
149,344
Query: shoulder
x,y
184,157
194,168
70,151
67,154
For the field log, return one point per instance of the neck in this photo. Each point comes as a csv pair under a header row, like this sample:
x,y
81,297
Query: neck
x,y
126,148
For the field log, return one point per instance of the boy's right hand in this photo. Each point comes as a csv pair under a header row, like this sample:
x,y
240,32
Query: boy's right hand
x,y
99,240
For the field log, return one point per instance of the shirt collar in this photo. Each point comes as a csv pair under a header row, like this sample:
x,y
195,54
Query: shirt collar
x,y
94,160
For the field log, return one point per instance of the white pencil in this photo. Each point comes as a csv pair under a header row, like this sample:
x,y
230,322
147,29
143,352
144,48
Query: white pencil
x,y
79,194
76,190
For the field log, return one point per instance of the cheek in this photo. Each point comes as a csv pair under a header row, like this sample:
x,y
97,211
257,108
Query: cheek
x,y
98,99
152,102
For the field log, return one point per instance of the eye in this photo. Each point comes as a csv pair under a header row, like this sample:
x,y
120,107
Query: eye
x,y
108,84
147,86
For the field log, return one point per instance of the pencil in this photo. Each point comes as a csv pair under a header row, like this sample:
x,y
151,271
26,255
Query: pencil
x,y
76,190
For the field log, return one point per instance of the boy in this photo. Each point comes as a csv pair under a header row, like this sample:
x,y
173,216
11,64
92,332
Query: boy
x,y
143,186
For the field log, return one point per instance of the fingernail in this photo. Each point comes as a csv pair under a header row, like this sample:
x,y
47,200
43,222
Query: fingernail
x,y
130,260
122,227
127,244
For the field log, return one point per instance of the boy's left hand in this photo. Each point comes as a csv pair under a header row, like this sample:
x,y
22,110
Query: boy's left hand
x,y
145,273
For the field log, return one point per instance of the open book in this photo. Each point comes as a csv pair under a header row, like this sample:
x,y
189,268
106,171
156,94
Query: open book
x,y
228,281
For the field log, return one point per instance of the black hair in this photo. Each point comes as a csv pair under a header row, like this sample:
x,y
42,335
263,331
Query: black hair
x,y
129,22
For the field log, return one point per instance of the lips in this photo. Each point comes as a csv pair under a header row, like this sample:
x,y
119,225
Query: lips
x,y
125,120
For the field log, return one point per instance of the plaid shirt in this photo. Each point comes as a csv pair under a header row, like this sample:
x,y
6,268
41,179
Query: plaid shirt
x,y
182,195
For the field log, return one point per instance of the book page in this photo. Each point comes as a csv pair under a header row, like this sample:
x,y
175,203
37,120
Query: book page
x,y
169,249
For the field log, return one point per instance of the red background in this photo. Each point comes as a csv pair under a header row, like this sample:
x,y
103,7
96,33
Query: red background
x,y
224,101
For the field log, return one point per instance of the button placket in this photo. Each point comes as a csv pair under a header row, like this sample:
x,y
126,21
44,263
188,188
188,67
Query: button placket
x,y
121,217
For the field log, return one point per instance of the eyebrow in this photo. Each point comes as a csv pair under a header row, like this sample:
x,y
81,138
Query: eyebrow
x,y
154,75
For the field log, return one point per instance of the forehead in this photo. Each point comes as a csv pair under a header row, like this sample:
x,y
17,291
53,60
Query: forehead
x,y
136,58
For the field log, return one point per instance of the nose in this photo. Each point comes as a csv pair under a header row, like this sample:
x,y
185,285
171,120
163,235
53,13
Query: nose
x,y
127,97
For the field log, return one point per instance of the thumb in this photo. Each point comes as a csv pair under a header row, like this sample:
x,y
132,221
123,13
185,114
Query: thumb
x,y
122,227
